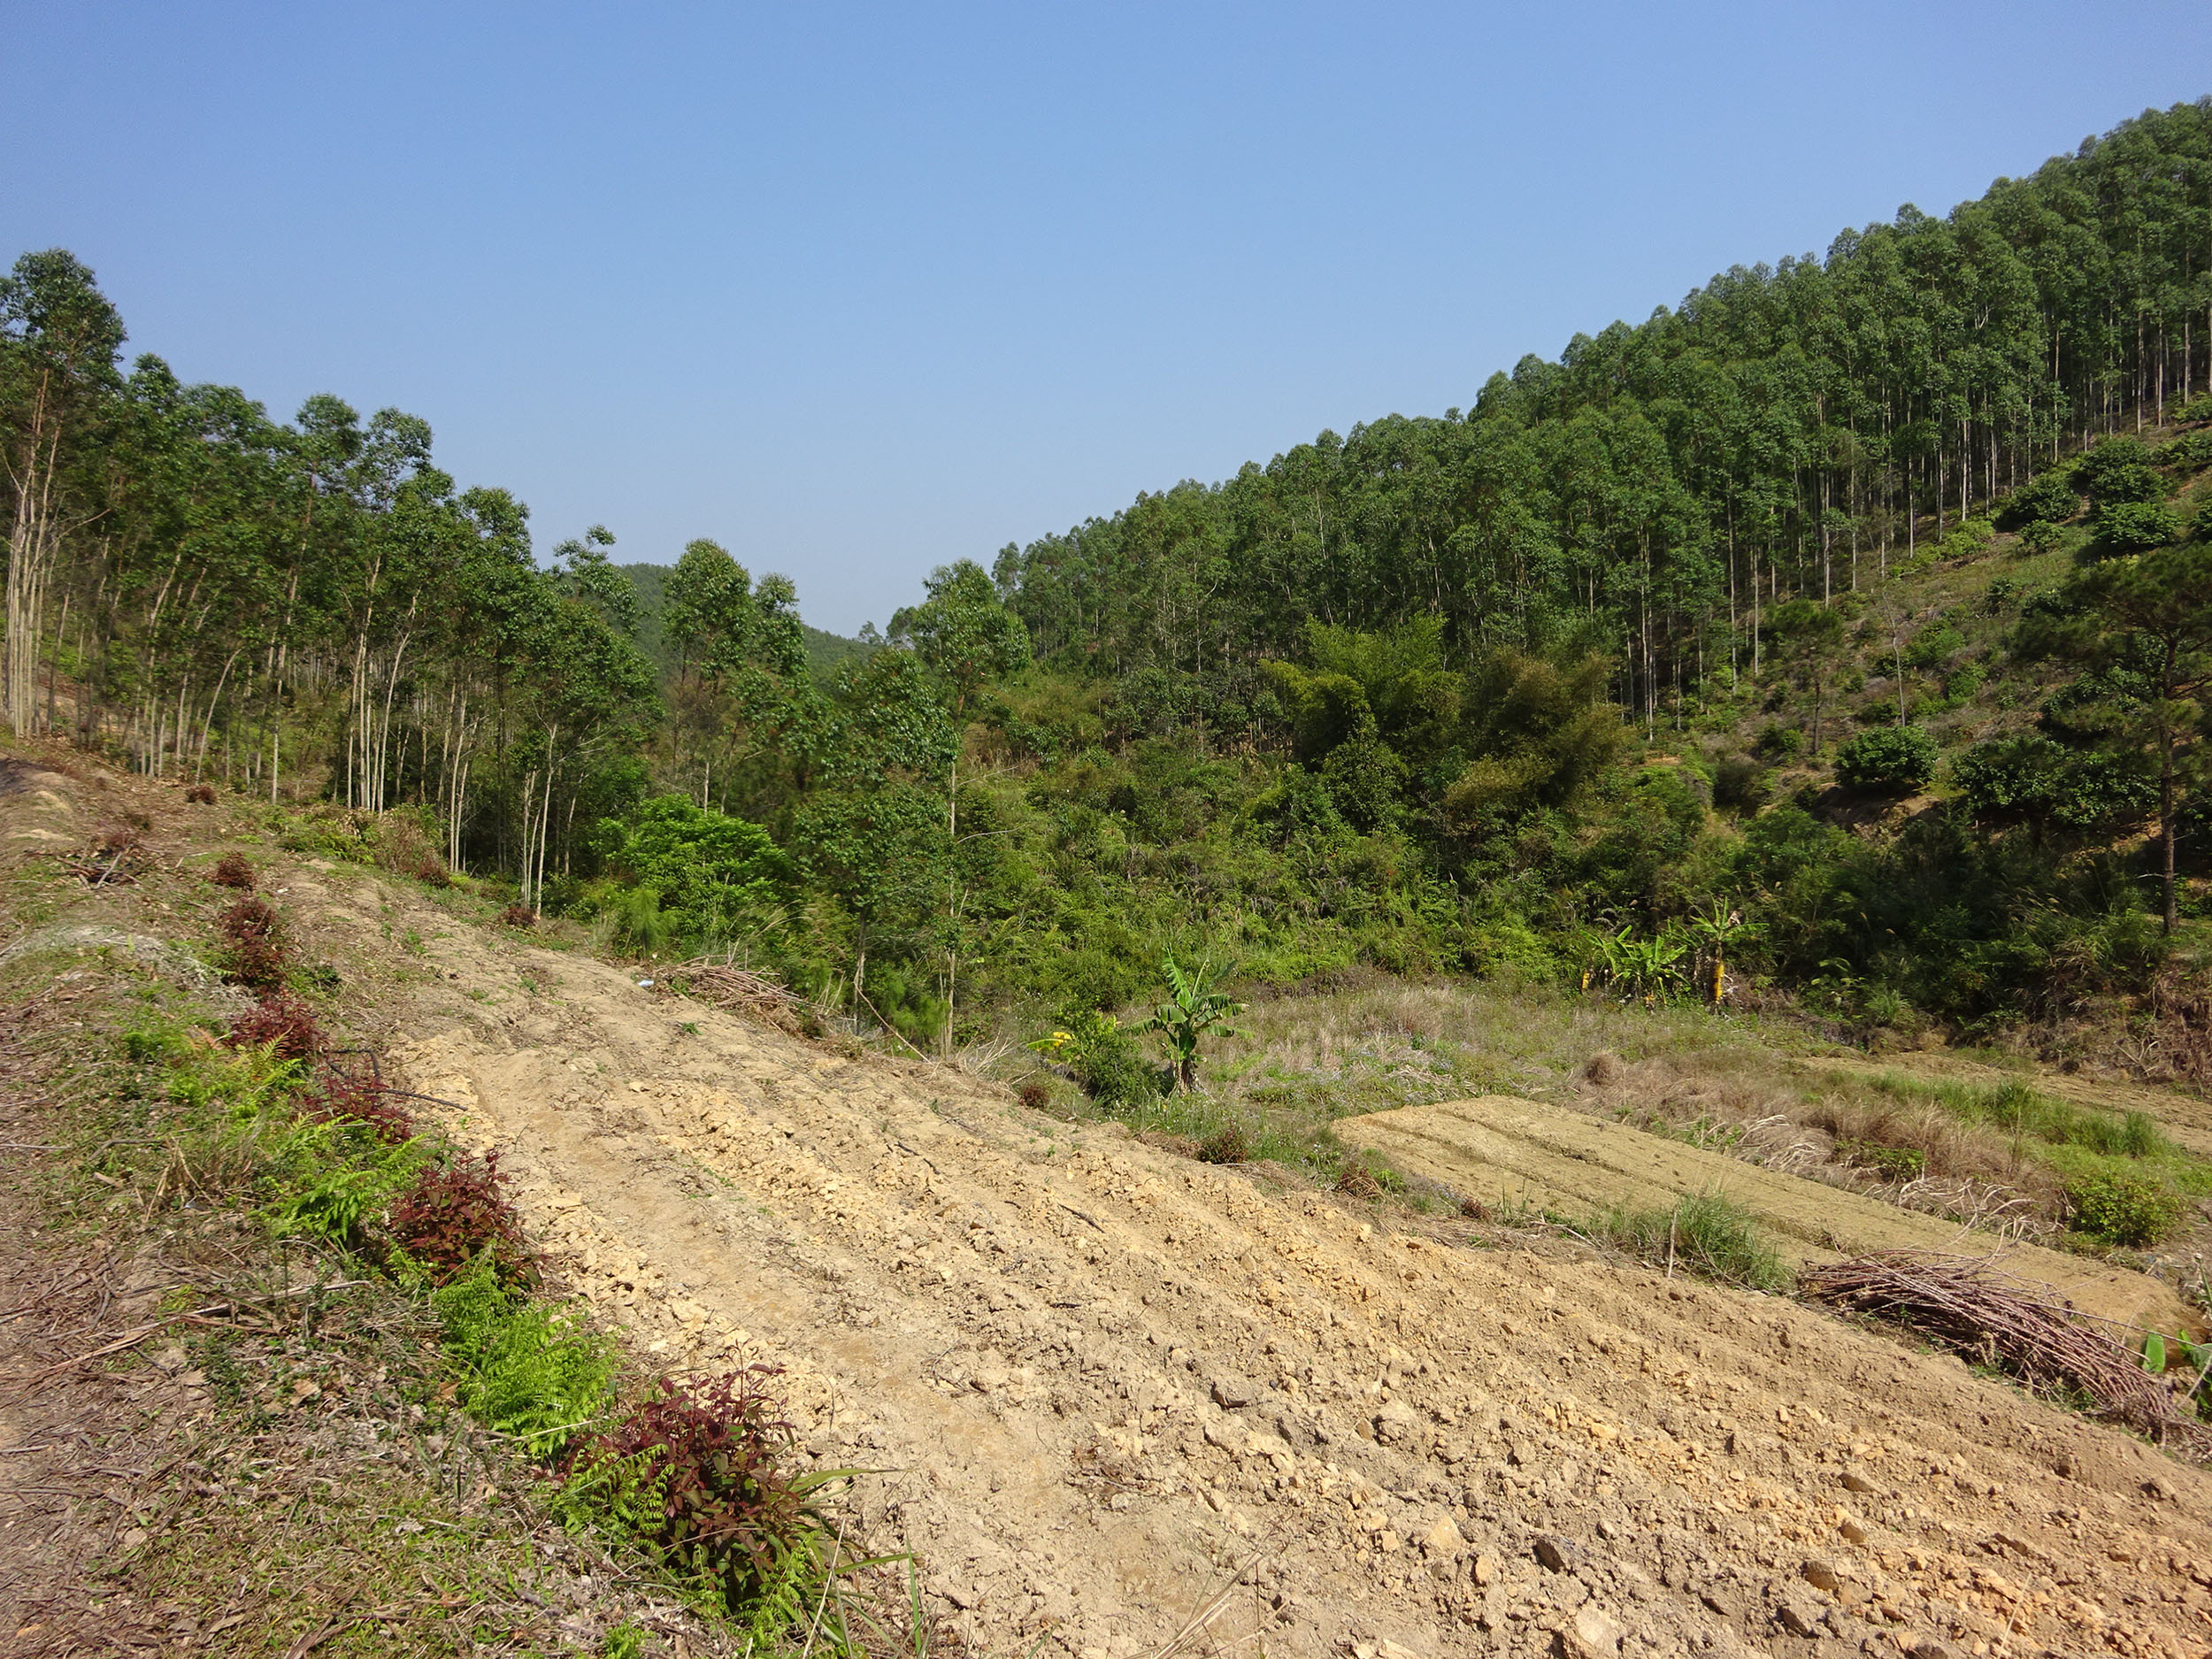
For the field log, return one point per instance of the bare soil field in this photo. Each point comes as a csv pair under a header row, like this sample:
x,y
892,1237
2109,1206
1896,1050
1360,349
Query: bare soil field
x,y
1508,1150
1103,1389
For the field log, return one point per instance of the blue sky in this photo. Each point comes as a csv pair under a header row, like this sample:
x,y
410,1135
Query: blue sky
x,y
858,291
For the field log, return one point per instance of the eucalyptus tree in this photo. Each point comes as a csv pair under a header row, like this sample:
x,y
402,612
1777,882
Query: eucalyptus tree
x,y
59,338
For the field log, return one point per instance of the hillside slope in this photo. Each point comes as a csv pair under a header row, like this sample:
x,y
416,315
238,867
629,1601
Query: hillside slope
x,y
1104,1378
1102,1383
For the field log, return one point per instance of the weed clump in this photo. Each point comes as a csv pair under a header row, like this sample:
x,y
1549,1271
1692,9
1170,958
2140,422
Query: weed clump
x,y
694,1476
1891,1164
1035,1095
1708,1236
1229,1145
280,1019
519,915
338,1097
2122,1208
457,1215
431,872
333,1195
1355,1179
232,871
201,795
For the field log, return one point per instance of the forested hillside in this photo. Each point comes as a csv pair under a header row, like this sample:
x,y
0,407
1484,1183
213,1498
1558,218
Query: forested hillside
x,y
1841,637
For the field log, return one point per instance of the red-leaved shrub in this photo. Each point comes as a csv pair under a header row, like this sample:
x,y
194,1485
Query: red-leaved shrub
x,y
730,1515
519,915
232,871
256,957
431,872
339,1097
453,1213
282,1019
201,795
1035,1095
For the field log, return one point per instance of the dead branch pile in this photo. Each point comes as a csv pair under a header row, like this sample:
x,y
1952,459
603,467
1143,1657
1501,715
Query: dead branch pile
x,y
117,854
1957,1302
740,991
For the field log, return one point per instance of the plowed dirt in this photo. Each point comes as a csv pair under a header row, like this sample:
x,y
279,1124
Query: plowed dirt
x,y
1103,1382
1501,1148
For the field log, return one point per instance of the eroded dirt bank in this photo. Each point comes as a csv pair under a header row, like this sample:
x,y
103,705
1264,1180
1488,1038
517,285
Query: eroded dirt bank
x,y
1101,1379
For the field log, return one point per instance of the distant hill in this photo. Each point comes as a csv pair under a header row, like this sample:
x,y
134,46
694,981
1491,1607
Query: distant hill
x,y
825,653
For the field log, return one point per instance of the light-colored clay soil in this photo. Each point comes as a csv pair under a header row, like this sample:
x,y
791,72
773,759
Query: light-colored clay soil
x,y
1498,1149
1102,1380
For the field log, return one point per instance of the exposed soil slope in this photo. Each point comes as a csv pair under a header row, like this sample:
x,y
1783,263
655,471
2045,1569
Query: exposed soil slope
x,y
1497,1146
1101,1379
1104,1376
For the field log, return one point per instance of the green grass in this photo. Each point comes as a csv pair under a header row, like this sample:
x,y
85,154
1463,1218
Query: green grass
x,y
2125,1182
2019,1110
1708,1236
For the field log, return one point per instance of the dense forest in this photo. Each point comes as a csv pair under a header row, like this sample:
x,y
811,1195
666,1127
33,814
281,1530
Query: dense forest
x,y
1849,623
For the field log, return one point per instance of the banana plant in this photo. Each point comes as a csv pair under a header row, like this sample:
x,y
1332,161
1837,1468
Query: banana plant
x,y
1720,928
1193,1007
1640,967
1652,962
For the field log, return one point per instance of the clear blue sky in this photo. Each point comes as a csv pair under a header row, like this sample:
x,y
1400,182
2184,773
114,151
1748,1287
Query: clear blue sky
x,y
859,290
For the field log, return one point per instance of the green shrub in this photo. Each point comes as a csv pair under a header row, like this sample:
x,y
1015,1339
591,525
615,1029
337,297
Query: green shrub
x,y
2136,527
1887,760
1106,1059
1710,1236
2050,498
2190,452
1966,539
708,871
2123,1208
2118,470
633,921
2028,778
1778,742
1935,645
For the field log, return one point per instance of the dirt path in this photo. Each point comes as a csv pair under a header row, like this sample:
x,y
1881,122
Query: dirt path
x,y
1103,1378
1500,1149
